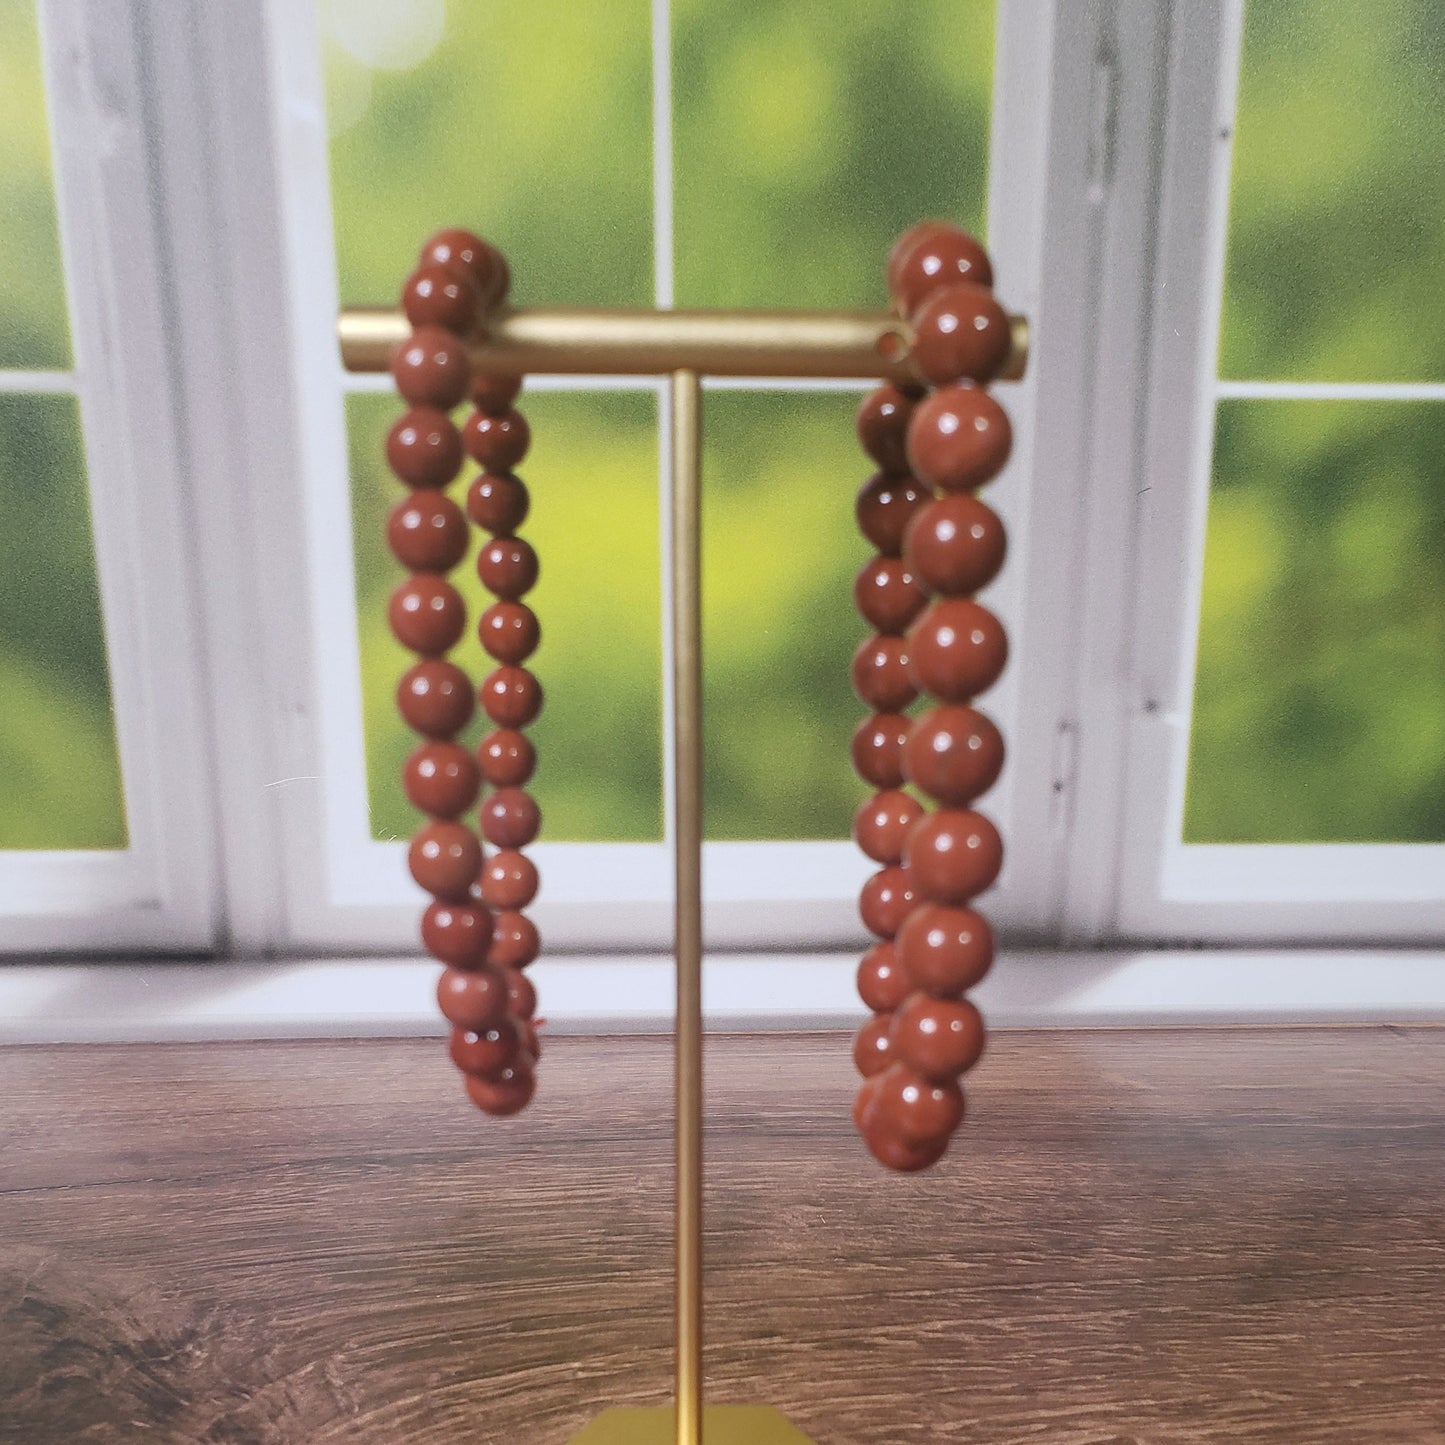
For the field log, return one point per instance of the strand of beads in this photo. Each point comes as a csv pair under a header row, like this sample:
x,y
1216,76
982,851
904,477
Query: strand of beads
x,y
956,439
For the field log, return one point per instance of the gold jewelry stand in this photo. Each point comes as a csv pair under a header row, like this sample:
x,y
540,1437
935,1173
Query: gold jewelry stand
x,y
869,345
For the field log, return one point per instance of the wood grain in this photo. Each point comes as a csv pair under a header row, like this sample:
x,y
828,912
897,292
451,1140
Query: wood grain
x,y
1139,1236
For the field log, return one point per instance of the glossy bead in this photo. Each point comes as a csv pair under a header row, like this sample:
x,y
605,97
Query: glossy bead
x,y
485,1052
510,818
882,984
508,567
427,614
945,950
866,1098
877,749
467,252
955,545
526,1030
511,696
916,1110
890,1151
884,507
509,1093
887,595
498,502
507,758
430,369
435,698
960,333
515,940
954,754
872,1051
473,999
436,295
881,824
457,933
953,855
509,631
509,879
959,438
445,859
423,448
427,532
497,442
883,425
886,900
441,779
880,674
956,650
937,1038
495,394
521,999
931,255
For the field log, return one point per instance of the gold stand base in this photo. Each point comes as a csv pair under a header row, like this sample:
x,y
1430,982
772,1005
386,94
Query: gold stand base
x,y
721,1425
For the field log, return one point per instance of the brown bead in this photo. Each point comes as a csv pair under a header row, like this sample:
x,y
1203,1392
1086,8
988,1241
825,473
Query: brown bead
x,y
495,394
955,545
435,698
509,1093
882,984
485,1052
427,532
881,824
522,1000
509,879
510,818
938,1038
877,749
445,859
441,779
423,448
883,425
953,855
886,900
890,1151
427,614
457,933
526,1029
511,696
880,674
884,507
954,754
867,1096
959,438
437,295
509,631
945,950
956,650
872,1051
960,333
931,255
430,369
473,999
515,940
464,251
497,442
507,758
498,503
916,1110
508,567
887,595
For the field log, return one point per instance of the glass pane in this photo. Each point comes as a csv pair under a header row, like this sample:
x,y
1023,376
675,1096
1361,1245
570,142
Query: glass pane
x,y
531,124
593,476
34,332
1319,709
809,136
59,770
1336,250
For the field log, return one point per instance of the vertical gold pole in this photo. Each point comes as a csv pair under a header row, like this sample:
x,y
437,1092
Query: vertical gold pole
x,y
687,844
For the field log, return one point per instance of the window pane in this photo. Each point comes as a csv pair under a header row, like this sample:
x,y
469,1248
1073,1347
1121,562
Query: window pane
x,y
34,332
593,477
1336,247
808,136
1319,711
59,770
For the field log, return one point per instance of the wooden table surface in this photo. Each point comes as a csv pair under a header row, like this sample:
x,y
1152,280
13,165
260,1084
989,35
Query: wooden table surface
x,y
1140,1236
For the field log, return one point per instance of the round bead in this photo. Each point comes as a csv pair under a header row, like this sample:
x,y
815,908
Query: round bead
x,y
436,295
511,696
441,779
508,567
498,502
872,1051
485,1052
883,425
509,879
435,698
510,818
527,1030
427,614
953,855
916,1110
509,1093
495,394
445,859
877,749
497,442
956,650
473,999
427,532
864,1102
430,369
960,333
955,545
884,507
507,758
515,940
880,674
887,595
959,438
938,1038
931,255
466,252
890,1151
457,933
954,754
423,448
945,950
882,984
881,824
509,631
886,900
522,1000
